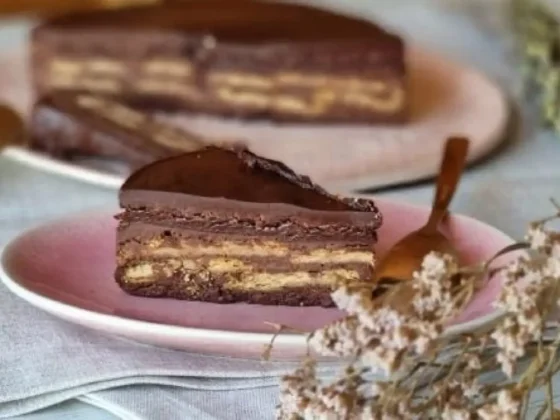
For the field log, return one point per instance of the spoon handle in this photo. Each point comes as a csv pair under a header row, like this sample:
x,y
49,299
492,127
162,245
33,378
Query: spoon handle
x,y
452,165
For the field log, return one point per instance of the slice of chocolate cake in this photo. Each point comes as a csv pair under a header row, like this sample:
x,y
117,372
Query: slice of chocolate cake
x,y
226,226
67,125
243,58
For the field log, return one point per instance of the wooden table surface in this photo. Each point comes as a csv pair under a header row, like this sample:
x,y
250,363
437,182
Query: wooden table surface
x,y
9,8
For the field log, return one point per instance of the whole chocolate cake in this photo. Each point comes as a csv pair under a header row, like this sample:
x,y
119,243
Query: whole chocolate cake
x,y
243,58
225,226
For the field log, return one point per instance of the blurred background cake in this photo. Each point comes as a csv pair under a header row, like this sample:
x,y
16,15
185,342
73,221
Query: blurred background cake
x,y
241,58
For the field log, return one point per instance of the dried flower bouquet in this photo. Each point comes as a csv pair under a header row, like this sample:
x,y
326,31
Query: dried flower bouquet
x,y
426,373
537,32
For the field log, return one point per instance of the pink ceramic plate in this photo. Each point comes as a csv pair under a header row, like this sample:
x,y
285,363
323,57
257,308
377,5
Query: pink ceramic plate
x,y
448,98
66,268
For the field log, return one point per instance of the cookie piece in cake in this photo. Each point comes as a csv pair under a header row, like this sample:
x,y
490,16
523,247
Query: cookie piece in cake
x,y
225,226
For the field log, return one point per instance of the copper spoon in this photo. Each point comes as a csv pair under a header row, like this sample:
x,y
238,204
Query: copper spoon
x,y
406,256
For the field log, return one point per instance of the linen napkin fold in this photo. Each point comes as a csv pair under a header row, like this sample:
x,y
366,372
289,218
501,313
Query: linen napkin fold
x,y
172,403
71,410
169,403
45,361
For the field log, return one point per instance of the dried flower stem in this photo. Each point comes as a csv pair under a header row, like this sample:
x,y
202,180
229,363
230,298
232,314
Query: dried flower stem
x,y
279,330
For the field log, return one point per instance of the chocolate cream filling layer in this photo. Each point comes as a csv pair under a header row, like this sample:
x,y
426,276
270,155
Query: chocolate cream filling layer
x,y
146,212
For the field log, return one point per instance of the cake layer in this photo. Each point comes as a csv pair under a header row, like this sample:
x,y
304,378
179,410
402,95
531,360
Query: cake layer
x,y
250,59
65,125
179,279
156,265
283,221
173,235
253,252
206,288
359,262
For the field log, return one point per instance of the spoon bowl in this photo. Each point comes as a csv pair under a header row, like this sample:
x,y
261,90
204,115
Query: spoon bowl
x,y
406,256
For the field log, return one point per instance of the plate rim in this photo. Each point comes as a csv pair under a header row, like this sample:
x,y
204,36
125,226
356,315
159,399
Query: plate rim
x,y
51,165
56,307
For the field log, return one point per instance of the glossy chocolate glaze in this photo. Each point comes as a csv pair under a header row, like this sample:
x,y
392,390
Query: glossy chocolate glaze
x,y
236,174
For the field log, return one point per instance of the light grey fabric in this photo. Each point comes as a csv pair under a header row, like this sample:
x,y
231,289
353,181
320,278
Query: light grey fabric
x,y
70,410
46,363
133,402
